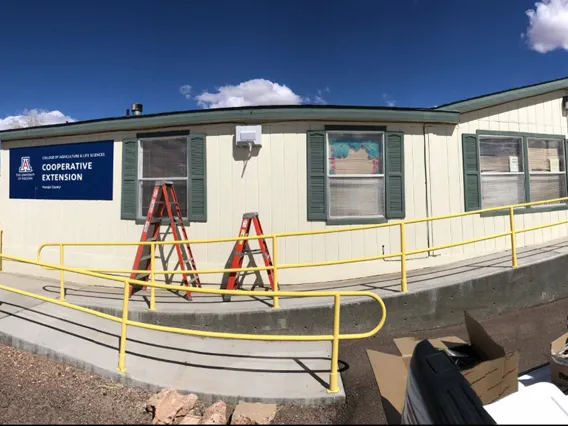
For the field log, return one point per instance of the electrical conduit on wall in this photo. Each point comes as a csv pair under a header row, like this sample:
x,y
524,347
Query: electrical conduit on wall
x,y
428,192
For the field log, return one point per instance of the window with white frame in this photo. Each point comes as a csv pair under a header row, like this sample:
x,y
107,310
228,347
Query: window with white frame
x,y
162,158
502,170
356,174
547,169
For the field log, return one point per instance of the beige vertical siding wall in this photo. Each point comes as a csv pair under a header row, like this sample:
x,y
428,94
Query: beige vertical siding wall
x,y
539,114
272,182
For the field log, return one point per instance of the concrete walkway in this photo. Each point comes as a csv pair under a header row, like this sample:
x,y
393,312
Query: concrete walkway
x,y
296,372
231,370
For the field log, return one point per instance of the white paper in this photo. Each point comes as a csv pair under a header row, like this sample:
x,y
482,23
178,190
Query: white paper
x,y
513,163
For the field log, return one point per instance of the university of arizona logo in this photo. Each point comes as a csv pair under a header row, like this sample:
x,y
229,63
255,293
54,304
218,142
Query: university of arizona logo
x,y
25,166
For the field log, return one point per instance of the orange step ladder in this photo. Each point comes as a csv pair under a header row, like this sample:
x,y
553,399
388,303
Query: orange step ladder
x,y
243,246
164,201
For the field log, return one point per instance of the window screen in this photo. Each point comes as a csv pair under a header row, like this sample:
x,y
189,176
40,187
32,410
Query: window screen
x,y
163,159
547,169
502,174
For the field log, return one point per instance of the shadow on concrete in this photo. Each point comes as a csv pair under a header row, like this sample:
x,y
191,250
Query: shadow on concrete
x,y
162,296
388,282
304,369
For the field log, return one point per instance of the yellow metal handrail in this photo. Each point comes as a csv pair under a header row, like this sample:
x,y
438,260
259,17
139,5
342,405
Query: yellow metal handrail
x,y
276,266
335,337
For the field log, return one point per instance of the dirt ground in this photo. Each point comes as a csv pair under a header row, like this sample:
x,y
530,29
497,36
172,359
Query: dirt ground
x,y
35,390
39,391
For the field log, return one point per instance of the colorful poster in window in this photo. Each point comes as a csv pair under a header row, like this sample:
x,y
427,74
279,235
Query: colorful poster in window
x,y
356,156
77,171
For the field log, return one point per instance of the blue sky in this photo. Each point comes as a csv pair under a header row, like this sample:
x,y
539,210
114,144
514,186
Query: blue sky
x,y
93,59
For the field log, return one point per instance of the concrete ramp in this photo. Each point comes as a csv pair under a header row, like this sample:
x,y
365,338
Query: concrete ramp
x,y
231,370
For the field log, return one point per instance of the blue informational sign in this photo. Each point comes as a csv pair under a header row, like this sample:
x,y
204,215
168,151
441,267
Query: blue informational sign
x,y
77,171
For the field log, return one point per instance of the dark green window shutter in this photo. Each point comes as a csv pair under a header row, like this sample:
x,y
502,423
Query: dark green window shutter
x,y
471,174
197,178
394,175
128,201
316,162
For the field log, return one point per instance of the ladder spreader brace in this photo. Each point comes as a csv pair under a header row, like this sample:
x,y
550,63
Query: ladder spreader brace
x,y
242,247
164,200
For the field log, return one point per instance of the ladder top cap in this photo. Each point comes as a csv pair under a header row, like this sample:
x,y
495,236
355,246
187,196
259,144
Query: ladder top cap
x,y
250,215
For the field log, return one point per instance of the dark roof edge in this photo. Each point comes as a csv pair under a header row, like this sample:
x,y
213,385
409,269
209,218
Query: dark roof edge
x,y
492,99
235,115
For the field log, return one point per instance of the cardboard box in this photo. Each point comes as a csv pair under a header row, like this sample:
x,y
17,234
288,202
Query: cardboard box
x,y
559,372
493,377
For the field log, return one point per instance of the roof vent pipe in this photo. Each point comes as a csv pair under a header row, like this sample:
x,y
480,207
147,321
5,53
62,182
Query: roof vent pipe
x,y
136,109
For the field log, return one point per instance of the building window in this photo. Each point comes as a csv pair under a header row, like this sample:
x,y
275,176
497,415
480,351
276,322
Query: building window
x,y
502,175
162,158
547,169
507,168
356,174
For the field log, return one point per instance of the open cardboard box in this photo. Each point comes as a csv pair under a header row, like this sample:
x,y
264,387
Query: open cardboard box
x,y
559,372
493,377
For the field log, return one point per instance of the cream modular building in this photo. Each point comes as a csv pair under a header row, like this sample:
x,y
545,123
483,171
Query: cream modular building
x,y
301,168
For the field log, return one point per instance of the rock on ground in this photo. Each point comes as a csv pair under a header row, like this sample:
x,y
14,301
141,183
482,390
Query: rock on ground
x,y
168,405
215,414
247,413
190,419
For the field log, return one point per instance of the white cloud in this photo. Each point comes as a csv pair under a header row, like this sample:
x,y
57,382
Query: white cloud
x,y
257,91
548,26
319,99
185,90
388,101
34,117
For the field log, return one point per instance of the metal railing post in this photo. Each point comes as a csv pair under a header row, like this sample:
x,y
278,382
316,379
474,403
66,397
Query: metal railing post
x,y
152,279
124,323
403,286
276,300
61,274
513,238
333,380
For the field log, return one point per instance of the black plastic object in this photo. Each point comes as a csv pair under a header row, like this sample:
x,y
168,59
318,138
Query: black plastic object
x,y
437,392
463,356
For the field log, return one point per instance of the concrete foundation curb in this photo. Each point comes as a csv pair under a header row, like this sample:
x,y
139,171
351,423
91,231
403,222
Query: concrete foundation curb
x,y
498,293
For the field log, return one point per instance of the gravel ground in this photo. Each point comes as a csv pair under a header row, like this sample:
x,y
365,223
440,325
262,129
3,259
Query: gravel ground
x,y
35,390
39,391
298,415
